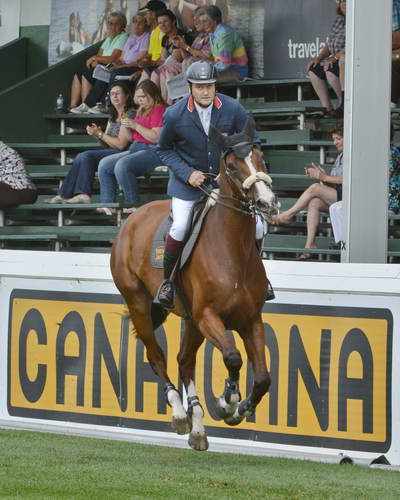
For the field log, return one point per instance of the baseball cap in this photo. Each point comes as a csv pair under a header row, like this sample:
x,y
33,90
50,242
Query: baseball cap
x,y
153,5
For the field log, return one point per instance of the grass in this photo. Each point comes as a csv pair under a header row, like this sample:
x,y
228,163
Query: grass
x,y
39,465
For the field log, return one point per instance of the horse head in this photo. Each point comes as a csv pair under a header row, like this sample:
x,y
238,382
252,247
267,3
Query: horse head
x,y
244,169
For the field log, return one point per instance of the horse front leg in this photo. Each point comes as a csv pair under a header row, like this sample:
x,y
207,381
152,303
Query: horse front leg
x,y
192,340
214,330
139,305
255,348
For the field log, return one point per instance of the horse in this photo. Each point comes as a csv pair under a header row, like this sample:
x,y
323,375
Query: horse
x,y
222,285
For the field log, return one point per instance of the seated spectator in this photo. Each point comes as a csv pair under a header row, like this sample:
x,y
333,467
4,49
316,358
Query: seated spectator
x,y
143,131
320,195
78,184
200,49
170,53
325,67
153,57
109,52
134,49
16,187
227,47
335,210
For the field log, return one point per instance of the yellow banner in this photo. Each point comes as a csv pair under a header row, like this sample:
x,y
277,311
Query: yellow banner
x,y
73,357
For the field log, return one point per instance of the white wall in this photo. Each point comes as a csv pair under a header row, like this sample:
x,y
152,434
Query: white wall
x,y
9,20
35,12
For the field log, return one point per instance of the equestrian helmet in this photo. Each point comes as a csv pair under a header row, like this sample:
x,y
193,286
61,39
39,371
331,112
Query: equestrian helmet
x,y
201,72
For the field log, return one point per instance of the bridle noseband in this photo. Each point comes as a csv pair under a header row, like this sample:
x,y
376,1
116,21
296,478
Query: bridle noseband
x,y
245,206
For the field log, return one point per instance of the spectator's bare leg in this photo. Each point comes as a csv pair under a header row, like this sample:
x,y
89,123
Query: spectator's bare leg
x,y
163,86
86,88
321,90
75,92
144,76
335,84
314,208
324,193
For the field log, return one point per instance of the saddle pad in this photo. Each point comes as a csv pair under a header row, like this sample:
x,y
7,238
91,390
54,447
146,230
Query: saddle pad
x,y
199,212
158,245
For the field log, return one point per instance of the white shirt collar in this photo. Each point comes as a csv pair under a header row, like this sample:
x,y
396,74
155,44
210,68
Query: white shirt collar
x,y
205,115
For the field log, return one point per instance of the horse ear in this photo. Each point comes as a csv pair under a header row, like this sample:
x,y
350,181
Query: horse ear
x,y
250,127
217,138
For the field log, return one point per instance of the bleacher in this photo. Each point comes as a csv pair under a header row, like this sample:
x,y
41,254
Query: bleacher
x,y
293,134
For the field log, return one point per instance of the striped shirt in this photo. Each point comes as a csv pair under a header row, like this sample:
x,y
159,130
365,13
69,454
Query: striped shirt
x,y
227,48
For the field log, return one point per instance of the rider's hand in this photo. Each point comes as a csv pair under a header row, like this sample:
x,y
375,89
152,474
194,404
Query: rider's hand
x,y
196,178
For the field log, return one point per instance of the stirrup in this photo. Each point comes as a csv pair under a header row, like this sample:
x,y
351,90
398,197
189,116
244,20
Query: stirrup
x,y
166,295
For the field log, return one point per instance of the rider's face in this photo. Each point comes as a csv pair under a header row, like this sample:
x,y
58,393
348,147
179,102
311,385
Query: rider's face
x,y
203,93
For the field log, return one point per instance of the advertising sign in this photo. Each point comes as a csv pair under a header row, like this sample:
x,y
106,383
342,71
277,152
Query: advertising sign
x,y
74,357
294,33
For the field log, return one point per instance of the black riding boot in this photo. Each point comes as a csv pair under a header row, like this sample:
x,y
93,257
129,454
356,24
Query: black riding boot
x,y
166,292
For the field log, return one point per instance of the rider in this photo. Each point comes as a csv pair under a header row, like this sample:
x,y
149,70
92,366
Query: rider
x,y
184,146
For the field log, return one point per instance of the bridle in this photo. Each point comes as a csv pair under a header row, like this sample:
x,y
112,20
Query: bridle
x,y
246,206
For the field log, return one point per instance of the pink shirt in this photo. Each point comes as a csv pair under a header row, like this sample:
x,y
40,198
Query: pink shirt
x,y
152,120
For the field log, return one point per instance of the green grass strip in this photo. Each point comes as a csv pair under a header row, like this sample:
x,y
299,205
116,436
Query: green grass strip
x,y
41,465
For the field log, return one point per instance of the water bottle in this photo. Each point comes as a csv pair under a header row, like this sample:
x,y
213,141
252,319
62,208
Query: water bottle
x,y
60,103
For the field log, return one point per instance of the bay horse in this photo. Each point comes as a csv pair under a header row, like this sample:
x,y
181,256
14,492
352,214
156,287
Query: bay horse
x,y
223,283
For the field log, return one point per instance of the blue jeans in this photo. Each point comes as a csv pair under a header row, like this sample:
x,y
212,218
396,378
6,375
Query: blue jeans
x,y
80,176
122,170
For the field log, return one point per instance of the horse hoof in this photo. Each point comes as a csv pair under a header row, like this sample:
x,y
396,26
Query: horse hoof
x,y
181,425
223,409
234,419
198,442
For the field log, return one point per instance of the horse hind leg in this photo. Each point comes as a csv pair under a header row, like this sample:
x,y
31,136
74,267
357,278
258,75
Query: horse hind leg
x,y
139,303
192,340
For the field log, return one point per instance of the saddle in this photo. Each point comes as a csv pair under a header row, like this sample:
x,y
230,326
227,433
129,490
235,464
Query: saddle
x,y
198,214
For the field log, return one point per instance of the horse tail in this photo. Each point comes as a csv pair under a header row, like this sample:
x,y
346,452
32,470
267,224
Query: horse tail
x,y
158,315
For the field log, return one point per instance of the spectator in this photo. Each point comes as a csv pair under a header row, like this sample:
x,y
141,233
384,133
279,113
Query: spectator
x,y
335,210
134,49
227,47
325,67
320,195
109,52
16,187
170,53
78,183
153,57
143,131
200,49
395,51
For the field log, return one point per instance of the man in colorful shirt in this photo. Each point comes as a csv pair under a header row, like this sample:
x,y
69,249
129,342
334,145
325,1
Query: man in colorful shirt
x,y
227,47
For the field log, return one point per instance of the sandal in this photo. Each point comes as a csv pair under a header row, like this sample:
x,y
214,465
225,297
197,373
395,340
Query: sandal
x,y
106,211
305,256
55,199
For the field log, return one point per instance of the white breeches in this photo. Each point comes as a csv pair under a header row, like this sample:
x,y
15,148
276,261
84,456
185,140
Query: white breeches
x,y
335,212
181,215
